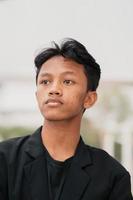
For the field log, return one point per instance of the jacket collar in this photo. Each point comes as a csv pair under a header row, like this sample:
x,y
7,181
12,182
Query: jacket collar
x,y
35,149
76,181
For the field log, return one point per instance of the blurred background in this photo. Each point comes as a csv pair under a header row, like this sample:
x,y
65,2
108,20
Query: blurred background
x,y
106,29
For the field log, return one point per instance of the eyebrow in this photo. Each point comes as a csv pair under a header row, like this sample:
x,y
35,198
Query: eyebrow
x,y
43,74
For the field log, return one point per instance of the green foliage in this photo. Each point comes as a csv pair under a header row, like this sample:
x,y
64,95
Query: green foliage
x,y
9,132
117,153
91,135
116,102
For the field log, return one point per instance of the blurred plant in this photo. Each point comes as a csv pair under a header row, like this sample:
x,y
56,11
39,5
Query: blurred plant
x,y
91,135
118,103
9,132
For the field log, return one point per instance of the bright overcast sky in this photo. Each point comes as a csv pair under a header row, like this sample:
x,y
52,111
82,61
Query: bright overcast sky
x,y
105,27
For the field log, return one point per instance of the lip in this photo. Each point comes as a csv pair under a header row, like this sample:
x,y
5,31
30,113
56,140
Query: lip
x,y
53,102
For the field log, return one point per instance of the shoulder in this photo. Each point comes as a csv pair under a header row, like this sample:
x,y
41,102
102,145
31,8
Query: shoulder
x,y
14,149
10,151
106,169
105,161
10,146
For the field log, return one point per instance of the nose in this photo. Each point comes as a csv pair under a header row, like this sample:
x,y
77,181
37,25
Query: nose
x,y
55,90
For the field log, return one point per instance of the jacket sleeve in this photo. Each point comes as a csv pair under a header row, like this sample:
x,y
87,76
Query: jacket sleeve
x,y
3,179
122,188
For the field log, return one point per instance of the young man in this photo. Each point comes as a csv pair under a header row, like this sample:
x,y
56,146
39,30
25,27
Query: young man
x,y
54,163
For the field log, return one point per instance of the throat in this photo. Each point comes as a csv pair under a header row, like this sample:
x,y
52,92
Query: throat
x,y
60,143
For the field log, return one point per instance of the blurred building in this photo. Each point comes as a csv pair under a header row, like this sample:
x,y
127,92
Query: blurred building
x,y
18,105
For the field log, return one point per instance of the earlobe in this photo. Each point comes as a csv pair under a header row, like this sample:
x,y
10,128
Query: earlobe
x,y
90,99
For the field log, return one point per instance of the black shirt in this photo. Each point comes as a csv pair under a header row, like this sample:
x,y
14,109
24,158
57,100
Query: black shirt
x,y
57,171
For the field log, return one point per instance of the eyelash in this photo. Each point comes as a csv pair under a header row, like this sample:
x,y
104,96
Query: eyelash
x,y
45,82
66,81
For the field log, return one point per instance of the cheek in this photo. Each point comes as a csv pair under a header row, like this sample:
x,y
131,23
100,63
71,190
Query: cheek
x,y
77,99
40,97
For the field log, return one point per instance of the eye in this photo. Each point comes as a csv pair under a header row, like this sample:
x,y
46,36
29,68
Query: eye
x,y
45,82
68,82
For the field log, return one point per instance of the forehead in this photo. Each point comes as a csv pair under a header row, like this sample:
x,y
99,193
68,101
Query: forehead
x,y
60,65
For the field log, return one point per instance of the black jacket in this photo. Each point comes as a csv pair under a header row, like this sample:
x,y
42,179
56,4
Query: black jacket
x,y
93,174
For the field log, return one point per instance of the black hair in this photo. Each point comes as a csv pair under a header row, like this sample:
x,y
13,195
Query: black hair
x,y
74,50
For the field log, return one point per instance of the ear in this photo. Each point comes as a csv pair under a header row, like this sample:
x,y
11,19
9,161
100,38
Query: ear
x,y
90,99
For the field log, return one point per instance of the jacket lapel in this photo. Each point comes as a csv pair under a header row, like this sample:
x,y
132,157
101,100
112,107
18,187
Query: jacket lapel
x,y
77,179
36,169
36,175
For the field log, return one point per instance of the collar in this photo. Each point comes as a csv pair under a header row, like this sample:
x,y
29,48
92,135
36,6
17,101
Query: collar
x,y
36,149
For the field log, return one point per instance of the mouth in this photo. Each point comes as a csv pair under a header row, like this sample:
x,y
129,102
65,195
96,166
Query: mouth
x,y
53,102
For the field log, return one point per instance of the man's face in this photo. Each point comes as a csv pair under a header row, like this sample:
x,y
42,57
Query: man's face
x,y
62,89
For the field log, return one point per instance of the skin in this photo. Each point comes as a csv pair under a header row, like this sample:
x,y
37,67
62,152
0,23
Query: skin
x,y
62,96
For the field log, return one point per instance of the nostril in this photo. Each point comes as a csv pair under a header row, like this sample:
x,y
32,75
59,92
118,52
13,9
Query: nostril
x,y
50,92
55,92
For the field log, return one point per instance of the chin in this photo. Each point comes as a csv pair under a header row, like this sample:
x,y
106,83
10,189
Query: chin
x,y
54,118
57,117
51,118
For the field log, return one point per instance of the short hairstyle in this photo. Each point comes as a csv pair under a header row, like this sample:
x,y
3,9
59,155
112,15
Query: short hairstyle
x,y
74,50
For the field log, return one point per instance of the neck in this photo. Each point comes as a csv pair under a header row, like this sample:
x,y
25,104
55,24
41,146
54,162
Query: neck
x,y
60,138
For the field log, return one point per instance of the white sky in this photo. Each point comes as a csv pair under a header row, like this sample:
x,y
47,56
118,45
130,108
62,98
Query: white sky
x,y
105,27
